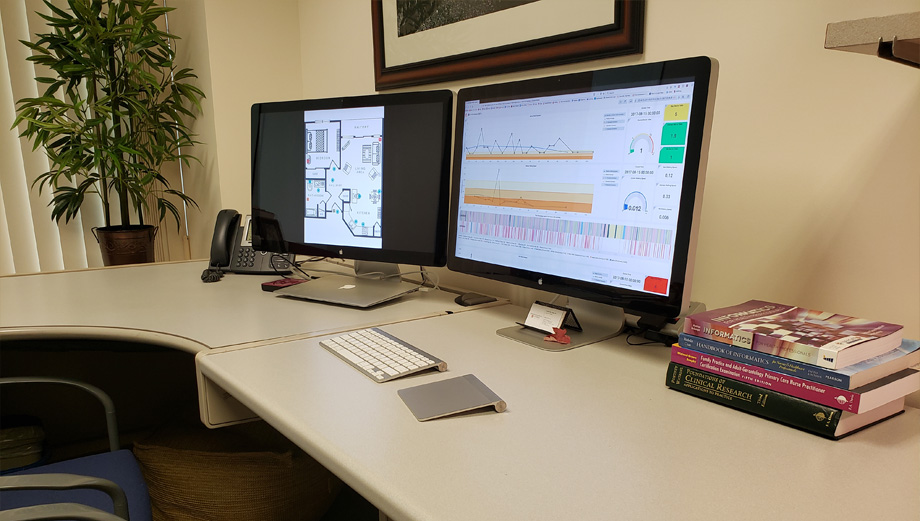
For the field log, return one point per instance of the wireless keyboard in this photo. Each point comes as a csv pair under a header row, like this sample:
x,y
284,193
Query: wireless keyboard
x,y
379,355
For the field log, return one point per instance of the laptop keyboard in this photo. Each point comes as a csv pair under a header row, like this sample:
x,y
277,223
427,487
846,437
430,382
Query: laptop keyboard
x,y
381,356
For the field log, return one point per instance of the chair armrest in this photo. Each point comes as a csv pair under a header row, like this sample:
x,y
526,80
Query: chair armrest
x,y
67,482
111,422
55,511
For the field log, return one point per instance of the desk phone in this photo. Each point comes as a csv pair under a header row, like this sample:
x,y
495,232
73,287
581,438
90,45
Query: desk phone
x,y
231,248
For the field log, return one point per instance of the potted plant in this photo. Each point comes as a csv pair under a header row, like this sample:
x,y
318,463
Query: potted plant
x,y
115,109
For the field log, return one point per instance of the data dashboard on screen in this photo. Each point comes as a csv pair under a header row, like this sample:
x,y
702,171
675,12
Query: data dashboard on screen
x,y
581,185
584,184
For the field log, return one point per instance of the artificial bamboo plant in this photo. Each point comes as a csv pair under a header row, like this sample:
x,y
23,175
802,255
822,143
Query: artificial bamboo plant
x,y
115,108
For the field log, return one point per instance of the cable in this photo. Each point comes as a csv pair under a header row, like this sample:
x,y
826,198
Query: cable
x,y
646,340
296,266
426,278
212,274
320,270
372,275
271,262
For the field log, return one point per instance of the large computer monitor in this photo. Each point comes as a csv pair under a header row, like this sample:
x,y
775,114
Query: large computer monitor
x,y
365,178
586,185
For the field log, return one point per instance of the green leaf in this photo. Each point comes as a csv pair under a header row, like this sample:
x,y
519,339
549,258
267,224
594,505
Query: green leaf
x,y
110,116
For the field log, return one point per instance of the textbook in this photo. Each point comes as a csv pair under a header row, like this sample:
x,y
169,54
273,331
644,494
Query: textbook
x,y
816,337
857,401
809,416
849,377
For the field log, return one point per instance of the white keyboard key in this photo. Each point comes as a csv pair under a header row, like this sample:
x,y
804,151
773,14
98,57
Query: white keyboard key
x,y
350,357
380,356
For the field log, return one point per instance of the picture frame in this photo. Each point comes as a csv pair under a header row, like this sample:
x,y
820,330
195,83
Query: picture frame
x,y
620,34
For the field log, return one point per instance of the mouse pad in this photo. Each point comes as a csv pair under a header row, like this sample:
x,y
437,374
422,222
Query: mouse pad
x,y
451,396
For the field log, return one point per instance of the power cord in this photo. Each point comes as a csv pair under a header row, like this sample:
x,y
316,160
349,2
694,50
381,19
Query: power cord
x,y
648,338
426,278
212,274
297,266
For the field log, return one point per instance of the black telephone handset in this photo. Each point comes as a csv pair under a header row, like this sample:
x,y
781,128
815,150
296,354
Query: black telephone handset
x,y
231,250
224,238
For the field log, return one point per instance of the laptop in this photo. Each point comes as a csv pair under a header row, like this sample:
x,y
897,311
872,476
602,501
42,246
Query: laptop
x,y
348,290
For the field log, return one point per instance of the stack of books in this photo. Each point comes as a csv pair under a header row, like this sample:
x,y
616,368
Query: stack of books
x,y
824,373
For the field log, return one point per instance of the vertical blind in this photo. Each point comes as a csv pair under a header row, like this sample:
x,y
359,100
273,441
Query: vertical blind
x,y
29,240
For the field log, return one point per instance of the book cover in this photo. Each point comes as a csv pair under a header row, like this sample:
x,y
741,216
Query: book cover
x,y
849,377
856,401
795,412
816,337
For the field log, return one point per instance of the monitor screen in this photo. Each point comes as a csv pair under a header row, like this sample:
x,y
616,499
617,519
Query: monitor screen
x,y
586,184
364,178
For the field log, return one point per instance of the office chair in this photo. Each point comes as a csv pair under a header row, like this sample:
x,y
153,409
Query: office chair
x,y
99,487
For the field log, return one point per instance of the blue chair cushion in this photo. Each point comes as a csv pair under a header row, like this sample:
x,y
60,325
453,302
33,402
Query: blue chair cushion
x,y
118,466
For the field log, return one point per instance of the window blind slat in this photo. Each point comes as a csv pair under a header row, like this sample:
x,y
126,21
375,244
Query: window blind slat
x,y
7,267
37,243
31,240
17,214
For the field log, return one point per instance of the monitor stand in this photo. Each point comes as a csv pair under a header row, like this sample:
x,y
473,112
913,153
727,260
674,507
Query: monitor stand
x,y
598,322
376,270
373,283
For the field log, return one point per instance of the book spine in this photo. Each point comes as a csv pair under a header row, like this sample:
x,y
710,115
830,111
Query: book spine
x,y
781,408
819,393
704,328
766,361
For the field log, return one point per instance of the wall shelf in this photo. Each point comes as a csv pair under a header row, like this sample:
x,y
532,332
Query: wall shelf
x,y
895,37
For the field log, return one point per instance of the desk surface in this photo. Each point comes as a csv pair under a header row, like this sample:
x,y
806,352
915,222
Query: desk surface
x,y
167,304
591,433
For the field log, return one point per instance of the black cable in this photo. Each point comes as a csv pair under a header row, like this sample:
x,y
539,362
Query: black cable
x,y
297,266
212,274
271,262
646,341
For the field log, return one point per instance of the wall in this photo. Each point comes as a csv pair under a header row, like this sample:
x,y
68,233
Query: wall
x,y
243,53
202,181
813,191
813,185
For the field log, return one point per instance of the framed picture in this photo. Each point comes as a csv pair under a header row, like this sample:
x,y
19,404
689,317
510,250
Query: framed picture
x,y
428,41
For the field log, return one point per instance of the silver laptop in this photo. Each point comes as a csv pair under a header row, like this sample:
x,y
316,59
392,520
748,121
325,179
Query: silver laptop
x,y
347,290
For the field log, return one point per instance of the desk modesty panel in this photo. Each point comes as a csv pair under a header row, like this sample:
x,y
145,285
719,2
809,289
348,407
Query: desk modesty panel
x,y
588,434
167,304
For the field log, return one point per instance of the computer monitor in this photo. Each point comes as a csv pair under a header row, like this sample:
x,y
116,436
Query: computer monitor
x,y
586,185
365,178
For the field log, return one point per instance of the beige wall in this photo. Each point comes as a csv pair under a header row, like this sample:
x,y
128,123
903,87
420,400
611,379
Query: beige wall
x,y
201,181
813,184
243,52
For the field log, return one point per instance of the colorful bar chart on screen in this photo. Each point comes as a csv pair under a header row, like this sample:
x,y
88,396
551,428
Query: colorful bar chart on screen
x,y
635,241
581,185
563,197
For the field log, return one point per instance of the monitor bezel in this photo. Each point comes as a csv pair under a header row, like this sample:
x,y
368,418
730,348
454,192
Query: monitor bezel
x,y
703,71
442,99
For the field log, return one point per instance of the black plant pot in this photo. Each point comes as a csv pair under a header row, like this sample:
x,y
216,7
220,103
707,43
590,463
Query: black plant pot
x,y
126,244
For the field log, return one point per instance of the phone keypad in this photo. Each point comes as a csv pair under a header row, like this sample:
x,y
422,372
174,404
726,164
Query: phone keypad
x,y
246,258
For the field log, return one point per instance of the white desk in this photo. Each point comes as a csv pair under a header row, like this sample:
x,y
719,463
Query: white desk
x,y
167,304
589,434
